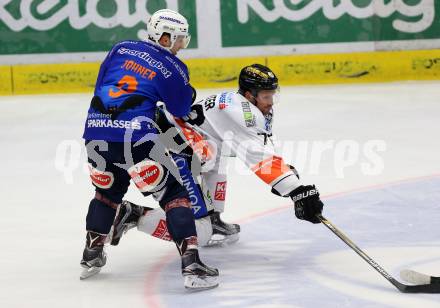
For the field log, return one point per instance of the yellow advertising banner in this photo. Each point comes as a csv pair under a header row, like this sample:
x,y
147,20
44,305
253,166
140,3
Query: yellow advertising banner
x,y
223,72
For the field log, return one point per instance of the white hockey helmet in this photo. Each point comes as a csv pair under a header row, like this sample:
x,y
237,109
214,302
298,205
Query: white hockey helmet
x,y
171,22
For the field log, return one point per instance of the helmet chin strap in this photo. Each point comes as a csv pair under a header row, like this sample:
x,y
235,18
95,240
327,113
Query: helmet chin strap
x,y
160,45
252,99
254,102
254,96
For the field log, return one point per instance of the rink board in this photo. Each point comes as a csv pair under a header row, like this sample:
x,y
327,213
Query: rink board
x,y
223,72
54,78
5,80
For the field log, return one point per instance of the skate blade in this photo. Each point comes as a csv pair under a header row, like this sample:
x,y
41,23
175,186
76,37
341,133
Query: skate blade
x,y
196,283
88,272
220,240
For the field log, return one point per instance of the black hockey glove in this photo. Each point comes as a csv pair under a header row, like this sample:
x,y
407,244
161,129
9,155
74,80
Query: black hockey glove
x,y
195,116
307,203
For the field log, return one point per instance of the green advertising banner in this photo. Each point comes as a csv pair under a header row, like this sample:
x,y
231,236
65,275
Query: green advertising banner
x,y
42,26
83,30
277,22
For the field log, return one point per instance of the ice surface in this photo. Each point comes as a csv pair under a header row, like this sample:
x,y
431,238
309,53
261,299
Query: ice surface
x,y
279,261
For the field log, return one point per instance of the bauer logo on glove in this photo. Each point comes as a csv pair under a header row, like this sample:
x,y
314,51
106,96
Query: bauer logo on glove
x,y
305,195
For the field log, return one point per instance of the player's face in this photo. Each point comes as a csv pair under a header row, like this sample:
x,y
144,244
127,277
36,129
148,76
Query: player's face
x,y
265,100
179,44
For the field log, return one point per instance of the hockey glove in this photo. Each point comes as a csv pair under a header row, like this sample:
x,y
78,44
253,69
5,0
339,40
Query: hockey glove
x,y
307,203
195,116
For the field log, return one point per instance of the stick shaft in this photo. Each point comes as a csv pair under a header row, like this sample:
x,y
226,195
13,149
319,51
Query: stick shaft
x,y
356,249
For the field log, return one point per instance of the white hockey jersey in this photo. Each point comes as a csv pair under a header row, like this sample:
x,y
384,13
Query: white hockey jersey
x,y
235,127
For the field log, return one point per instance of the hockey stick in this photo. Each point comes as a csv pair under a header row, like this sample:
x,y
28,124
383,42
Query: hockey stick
x,y
432,287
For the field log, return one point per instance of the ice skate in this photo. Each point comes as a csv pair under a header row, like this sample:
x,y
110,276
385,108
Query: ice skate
x,y
94,257
198,276
222,232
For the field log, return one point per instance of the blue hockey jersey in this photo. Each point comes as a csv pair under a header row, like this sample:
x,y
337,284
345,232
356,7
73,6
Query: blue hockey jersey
x,y
134,76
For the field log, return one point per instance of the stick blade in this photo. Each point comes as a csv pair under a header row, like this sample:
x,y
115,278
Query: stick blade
x,y
423,288
415,277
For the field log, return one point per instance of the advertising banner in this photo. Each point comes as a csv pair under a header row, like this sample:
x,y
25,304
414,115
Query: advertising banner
x,y
228,28
42,26
277,22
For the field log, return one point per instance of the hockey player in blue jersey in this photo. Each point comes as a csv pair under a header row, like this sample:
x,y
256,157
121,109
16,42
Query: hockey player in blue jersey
x,y
123,143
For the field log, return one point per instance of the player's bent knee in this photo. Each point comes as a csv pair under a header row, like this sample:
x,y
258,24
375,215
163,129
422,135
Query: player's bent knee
x,y
180,219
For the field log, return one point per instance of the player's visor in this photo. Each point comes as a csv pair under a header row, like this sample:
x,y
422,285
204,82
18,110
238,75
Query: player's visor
x,y
184,40
269,95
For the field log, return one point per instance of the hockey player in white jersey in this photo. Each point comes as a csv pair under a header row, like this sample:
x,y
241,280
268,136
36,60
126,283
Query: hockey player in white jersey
x,y
235,124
